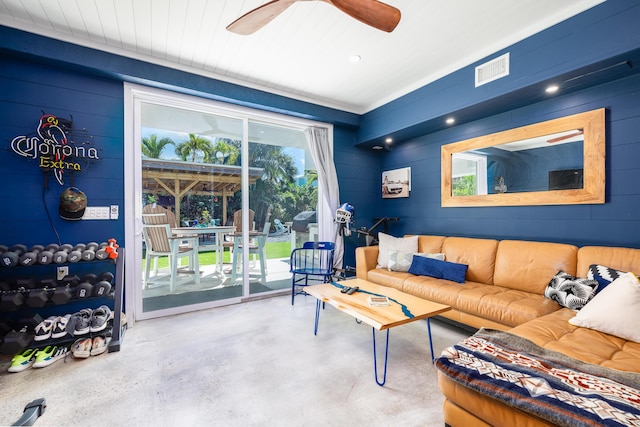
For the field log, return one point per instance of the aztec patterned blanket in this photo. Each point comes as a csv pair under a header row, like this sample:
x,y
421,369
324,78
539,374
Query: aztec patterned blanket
x,y
547,384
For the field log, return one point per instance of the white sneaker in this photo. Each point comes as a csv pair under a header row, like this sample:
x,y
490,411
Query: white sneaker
x,y
44,328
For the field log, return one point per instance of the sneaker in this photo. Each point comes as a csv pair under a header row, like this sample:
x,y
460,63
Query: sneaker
x,y
60,327
82,322
23,361
99,318
44,328
99,345
49,354
81,349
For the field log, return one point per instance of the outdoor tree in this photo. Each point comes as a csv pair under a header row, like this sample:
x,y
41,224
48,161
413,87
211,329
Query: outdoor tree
x,y
152,147
194,146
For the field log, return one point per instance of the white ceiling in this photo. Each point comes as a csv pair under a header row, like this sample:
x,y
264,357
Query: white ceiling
x,y
303,53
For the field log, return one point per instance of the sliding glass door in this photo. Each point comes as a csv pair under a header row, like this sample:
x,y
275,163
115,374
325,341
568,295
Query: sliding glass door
x,y
217,194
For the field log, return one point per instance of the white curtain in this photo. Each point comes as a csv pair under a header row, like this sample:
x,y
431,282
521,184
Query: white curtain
x,y
321,152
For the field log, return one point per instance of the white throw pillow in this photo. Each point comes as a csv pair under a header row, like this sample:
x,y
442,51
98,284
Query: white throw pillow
x,y
387,243
401,261
615,310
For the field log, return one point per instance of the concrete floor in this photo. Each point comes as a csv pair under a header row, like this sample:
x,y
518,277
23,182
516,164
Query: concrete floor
x,y
251,364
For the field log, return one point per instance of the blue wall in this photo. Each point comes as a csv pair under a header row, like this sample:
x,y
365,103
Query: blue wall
x,y
27,90
617,222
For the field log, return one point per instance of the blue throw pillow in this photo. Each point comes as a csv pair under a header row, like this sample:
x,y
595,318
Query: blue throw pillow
x,y
422,266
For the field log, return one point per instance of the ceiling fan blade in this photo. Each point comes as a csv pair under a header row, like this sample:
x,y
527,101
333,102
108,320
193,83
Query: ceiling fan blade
x,y
372,12
257,18
563,137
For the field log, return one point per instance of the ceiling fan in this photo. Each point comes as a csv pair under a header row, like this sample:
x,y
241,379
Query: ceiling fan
x,y
372,12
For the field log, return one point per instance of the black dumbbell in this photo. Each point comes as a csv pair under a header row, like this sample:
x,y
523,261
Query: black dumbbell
x,y
89,252
101,288
37,298
101,253
61,295
64,291
60,257
16,341
85,287
11,258
31,256
46,256
11,300
106,275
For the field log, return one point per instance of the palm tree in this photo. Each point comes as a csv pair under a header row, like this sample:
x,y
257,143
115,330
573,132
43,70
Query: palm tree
x,y
152,148
194,145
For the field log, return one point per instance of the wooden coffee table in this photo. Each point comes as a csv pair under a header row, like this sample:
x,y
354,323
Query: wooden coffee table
x,y
403,308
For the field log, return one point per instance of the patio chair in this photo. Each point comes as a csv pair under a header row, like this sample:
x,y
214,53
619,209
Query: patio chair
x,y
256,247
313,260
160,242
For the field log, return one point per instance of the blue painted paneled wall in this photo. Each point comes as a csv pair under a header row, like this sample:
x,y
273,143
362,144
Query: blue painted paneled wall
x,y
617,222
29,208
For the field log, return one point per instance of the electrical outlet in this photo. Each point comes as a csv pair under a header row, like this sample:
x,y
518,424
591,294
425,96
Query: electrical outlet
x,y
96,212
63,271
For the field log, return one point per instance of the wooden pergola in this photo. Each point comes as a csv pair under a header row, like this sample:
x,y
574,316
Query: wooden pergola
x,y
178,178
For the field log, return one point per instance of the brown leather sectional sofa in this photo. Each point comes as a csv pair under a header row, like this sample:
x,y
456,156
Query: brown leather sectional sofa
x,y
504,289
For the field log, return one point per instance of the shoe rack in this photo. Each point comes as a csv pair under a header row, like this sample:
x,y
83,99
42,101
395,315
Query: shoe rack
x,y
32,293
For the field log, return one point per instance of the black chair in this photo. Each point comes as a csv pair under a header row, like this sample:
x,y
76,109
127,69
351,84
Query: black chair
x,y
313,260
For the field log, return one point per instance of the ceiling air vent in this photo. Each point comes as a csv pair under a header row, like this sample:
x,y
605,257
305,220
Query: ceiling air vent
x,y
492,70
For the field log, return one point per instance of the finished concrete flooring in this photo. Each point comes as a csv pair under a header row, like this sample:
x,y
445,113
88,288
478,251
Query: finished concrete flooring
x,y
251,364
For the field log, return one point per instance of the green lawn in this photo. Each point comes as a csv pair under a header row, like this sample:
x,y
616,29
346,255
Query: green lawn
x,y
274,250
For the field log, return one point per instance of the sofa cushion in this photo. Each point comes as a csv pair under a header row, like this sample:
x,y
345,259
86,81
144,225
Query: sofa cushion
x,y
623,259
527,266
503,305
387,243
401,261
570,291
423,266
554,332
478,254
603,275
615,310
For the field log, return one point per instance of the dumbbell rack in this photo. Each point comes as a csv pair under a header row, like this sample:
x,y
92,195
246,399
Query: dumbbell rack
x,y
48,308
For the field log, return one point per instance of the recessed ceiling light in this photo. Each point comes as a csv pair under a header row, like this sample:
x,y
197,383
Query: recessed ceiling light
x,y
377,147
450,120
552,89
388,140
354,58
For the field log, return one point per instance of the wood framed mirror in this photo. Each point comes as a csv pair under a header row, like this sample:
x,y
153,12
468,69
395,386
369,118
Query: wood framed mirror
x,y
557,162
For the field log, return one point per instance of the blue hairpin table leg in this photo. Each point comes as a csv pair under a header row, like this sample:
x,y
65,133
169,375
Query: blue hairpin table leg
x,y
430,340
315,326
375,359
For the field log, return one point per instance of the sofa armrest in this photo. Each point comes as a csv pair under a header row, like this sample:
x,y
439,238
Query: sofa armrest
x,y
366,259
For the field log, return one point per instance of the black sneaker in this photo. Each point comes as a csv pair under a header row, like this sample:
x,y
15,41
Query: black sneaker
x,y
44,328
60,327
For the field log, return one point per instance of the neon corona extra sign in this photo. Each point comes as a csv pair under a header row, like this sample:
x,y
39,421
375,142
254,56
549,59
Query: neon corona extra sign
x,y
52,148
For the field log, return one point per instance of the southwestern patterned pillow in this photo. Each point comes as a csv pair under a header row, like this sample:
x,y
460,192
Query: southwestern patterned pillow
x,y
570,291
603,275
